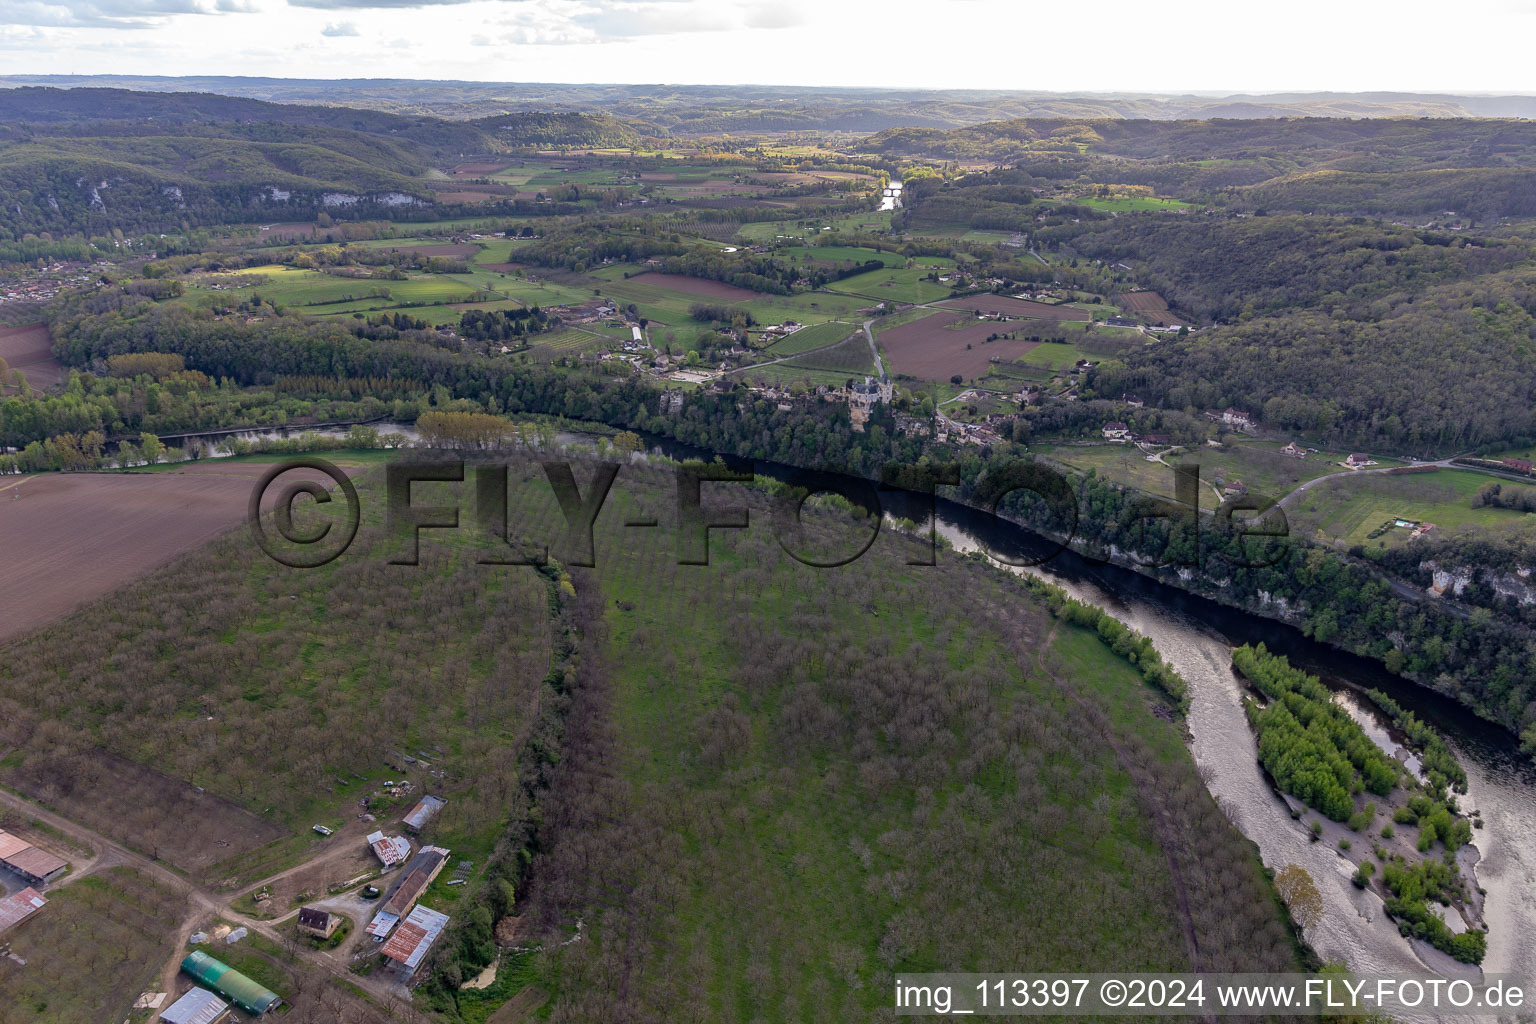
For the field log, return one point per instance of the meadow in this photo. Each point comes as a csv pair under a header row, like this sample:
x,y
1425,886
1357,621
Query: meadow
x,y
1348,509
837,255
819,336
671,306
310,291
898,284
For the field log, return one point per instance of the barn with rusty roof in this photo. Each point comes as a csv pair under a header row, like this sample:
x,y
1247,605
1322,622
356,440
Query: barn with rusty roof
x,y
35,865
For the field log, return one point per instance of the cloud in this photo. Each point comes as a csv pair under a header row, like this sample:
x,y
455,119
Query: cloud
x,y
114,13
337,5
775,16
340,28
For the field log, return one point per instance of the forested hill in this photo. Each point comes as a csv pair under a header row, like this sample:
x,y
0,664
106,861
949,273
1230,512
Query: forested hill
x,y
1310,141
1481,167
599,131
70,111
97,160
82,111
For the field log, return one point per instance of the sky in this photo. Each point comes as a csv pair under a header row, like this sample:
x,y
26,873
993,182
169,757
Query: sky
x,y
1105,46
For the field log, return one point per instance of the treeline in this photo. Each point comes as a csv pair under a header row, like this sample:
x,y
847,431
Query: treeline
x,y
1118,637
502,325
1520,499
1440,765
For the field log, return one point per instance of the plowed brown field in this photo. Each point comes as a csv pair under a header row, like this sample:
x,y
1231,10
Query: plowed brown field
x,y
930,350
30,349
69,538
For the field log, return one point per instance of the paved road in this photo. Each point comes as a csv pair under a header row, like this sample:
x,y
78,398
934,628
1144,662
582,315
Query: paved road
x,y
869,336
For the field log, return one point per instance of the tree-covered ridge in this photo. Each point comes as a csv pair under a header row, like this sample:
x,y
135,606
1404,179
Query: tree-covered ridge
x,y
542,130
1224,268
1321,165
1432,371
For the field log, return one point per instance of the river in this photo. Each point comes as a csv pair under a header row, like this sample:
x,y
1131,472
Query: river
x,y
1196,637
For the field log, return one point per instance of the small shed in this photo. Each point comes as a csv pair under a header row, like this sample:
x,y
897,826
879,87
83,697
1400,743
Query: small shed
x,y
198,1006
423,812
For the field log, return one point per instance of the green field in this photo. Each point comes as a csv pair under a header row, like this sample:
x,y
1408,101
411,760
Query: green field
x,y
311,291
1132,204
837,254
807,338
1345,510
895,284
671,307
851,357
788,373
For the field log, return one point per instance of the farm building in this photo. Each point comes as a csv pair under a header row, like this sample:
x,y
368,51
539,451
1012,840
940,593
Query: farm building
x,y
399,900
638,338
36,866
390,850
227,981
423,812
198,1006
17,907
317,922
422,870
414,938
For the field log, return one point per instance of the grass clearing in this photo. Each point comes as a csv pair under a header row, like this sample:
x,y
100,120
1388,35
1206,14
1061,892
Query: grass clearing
x,y
1347,509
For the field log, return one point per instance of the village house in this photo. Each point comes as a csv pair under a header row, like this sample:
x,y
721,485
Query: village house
x,y
1116,431
1358,460
1237,420
1132,401
1235,489
319,923
1294,450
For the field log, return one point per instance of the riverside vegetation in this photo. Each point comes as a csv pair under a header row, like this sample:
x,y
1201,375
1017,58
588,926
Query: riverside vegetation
x,y
1316,752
